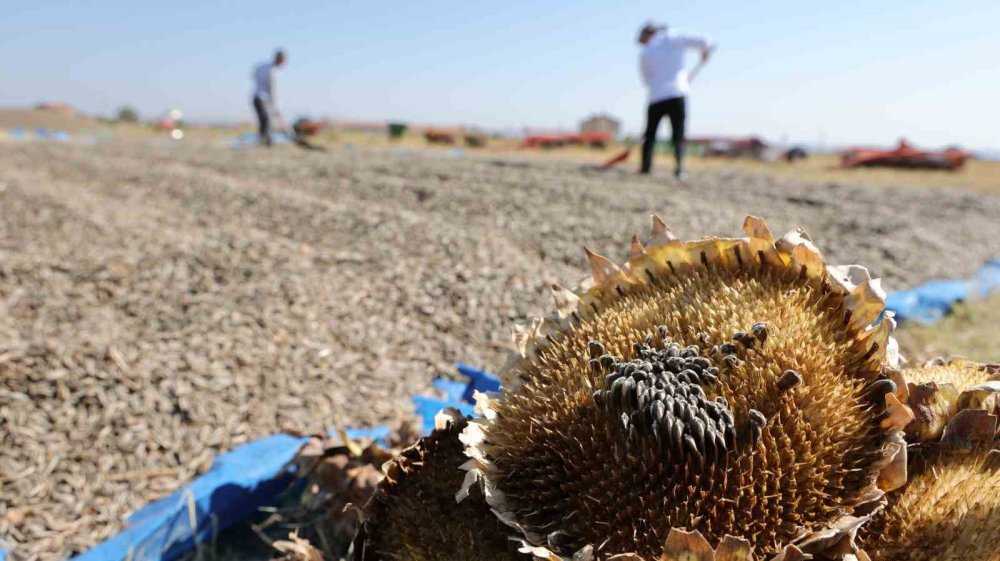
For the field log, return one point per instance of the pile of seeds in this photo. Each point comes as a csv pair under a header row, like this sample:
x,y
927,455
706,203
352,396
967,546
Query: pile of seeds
x,y
162,303
659,396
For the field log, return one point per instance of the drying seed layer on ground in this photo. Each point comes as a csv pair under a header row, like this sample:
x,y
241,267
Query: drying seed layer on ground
x,y
162,303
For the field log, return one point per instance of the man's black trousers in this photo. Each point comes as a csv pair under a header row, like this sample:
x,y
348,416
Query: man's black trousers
x,y
674,109
263,120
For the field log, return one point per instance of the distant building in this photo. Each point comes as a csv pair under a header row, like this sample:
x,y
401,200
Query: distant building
x,y
601,123
57,107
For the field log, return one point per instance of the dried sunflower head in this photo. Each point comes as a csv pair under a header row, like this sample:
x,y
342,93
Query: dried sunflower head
x,y
956,399
413,515
739,388
949,509
336,472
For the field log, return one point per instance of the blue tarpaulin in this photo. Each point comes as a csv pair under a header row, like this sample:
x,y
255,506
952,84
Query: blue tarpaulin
x,y
239,482
931,301
478,381
247,478
248,139
40,133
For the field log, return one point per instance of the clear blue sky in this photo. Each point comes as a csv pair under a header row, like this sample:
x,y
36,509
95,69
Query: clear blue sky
x,y
847,71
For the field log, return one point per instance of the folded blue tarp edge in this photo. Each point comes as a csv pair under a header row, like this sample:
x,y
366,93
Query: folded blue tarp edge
x,y
239,481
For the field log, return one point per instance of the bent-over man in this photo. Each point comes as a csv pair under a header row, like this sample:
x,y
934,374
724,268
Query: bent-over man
x,y
263,95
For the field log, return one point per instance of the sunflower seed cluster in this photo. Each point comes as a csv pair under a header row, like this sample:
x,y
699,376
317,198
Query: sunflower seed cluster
x,y
660,398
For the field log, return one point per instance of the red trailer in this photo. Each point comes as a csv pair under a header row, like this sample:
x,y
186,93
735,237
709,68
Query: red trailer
x,y
904,156
730,146
595,139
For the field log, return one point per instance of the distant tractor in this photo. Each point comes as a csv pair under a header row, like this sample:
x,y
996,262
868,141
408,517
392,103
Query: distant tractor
x,y
475,139
794,154
440,136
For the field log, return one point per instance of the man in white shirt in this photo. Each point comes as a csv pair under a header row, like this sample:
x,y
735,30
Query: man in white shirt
x,y
661,62
263,95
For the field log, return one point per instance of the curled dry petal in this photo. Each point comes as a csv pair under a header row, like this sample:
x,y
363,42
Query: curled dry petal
x,y
939,394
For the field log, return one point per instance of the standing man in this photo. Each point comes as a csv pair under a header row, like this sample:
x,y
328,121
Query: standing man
x,y
263,95
661,62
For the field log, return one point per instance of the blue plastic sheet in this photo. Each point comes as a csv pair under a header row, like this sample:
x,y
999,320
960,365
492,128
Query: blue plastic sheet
x,y
377,433
239,482
249,139
931,301
987,279
40,133
453,390
428,407
247,478
479,380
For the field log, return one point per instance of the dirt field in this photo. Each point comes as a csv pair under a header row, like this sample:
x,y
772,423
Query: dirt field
x,y
162,302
